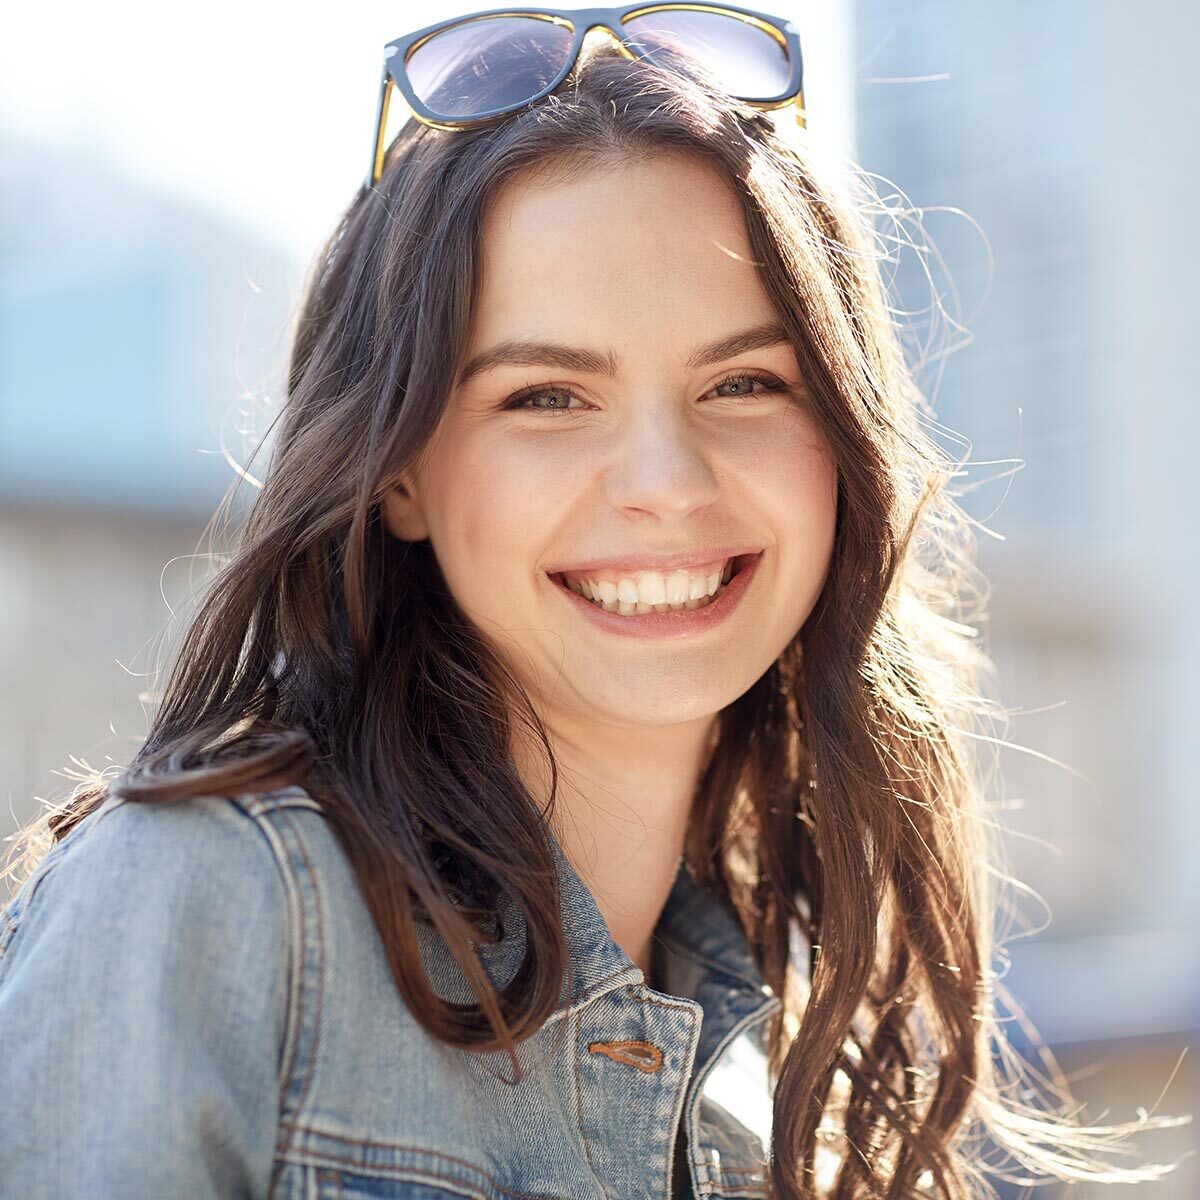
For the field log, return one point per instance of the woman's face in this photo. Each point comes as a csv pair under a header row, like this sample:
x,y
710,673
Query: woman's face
x,y
631,445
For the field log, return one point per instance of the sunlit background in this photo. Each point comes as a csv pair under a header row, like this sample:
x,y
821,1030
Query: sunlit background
x,y
167,175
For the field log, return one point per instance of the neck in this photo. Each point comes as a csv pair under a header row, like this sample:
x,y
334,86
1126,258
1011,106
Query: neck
x,y
620,815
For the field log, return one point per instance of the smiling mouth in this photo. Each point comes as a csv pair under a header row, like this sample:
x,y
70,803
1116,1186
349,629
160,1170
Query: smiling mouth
x,y
625,595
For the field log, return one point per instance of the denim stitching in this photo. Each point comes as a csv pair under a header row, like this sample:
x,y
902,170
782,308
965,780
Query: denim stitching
x,y
587,1145
709,1174
730,1180
327,1175
261,815
312,1058
404,1172
661,1003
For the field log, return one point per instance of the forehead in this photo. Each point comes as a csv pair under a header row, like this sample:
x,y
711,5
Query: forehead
x,y
626,239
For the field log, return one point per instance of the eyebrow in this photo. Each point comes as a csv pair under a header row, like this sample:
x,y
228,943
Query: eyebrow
x,y
519,352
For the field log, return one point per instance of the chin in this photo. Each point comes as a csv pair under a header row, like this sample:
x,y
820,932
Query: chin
x,y
654,708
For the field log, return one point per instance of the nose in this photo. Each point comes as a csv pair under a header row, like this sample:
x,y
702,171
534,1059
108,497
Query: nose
x,y
661,466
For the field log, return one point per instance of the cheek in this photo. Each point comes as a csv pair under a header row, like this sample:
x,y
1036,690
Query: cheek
x,y
791,469
497,502
794,482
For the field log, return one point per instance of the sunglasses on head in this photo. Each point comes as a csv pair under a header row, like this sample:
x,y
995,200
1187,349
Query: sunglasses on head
x,y
477,68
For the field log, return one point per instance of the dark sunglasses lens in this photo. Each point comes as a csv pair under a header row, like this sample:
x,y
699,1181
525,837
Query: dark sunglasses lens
x,y
742,58
487,64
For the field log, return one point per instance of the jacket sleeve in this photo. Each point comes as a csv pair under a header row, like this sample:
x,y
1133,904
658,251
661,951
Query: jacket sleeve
x,y
143,1008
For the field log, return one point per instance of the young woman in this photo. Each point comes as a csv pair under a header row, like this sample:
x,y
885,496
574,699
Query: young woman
x,y
563,788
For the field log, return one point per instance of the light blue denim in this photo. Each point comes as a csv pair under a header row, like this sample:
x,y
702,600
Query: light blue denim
x,y
194,1003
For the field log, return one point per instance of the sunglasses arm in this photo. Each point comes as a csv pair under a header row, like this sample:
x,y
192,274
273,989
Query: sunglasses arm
x,y
381,116
798,109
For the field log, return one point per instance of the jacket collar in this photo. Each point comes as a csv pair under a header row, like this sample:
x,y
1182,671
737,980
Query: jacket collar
x,y
706,948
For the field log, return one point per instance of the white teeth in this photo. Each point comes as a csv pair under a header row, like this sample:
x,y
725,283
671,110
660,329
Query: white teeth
x,y
652,591
652,588
679,587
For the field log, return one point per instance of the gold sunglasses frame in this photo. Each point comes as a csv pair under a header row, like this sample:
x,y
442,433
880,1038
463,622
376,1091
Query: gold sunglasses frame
x,y
581,22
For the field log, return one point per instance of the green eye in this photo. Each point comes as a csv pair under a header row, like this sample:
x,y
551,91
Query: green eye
x,y
563,395
560,397
769,382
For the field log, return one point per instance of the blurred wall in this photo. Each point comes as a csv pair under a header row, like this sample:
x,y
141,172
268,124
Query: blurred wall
x,y
1064,134
136,330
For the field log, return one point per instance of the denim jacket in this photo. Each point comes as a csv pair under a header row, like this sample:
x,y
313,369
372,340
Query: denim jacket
x,y
195,1002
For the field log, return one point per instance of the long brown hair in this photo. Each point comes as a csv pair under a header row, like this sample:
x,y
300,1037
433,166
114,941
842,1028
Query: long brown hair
x,y
839,811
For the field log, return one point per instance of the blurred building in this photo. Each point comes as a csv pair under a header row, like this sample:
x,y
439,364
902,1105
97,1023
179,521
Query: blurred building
x,y
135,332
1063,133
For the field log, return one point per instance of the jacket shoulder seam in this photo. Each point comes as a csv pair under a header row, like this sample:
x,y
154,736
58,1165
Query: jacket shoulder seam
x,y
258,804
273,813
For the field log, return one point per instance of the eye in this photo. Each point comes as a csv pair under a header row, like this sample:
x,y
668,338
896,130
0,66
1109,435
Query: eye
x,y
769,382
558,399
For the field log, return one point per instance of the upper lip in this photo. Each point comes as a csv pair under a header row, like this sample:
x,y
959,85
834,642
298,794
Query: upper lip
x,y
680,559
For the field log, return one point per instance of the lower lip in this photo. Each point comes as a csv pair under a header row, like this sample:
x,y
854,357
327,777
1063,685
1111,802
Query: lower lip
x,y
685,623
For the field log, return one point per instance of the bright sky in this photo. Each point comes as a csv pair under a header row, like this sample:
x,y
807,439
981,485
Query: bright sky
x,y
263,111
